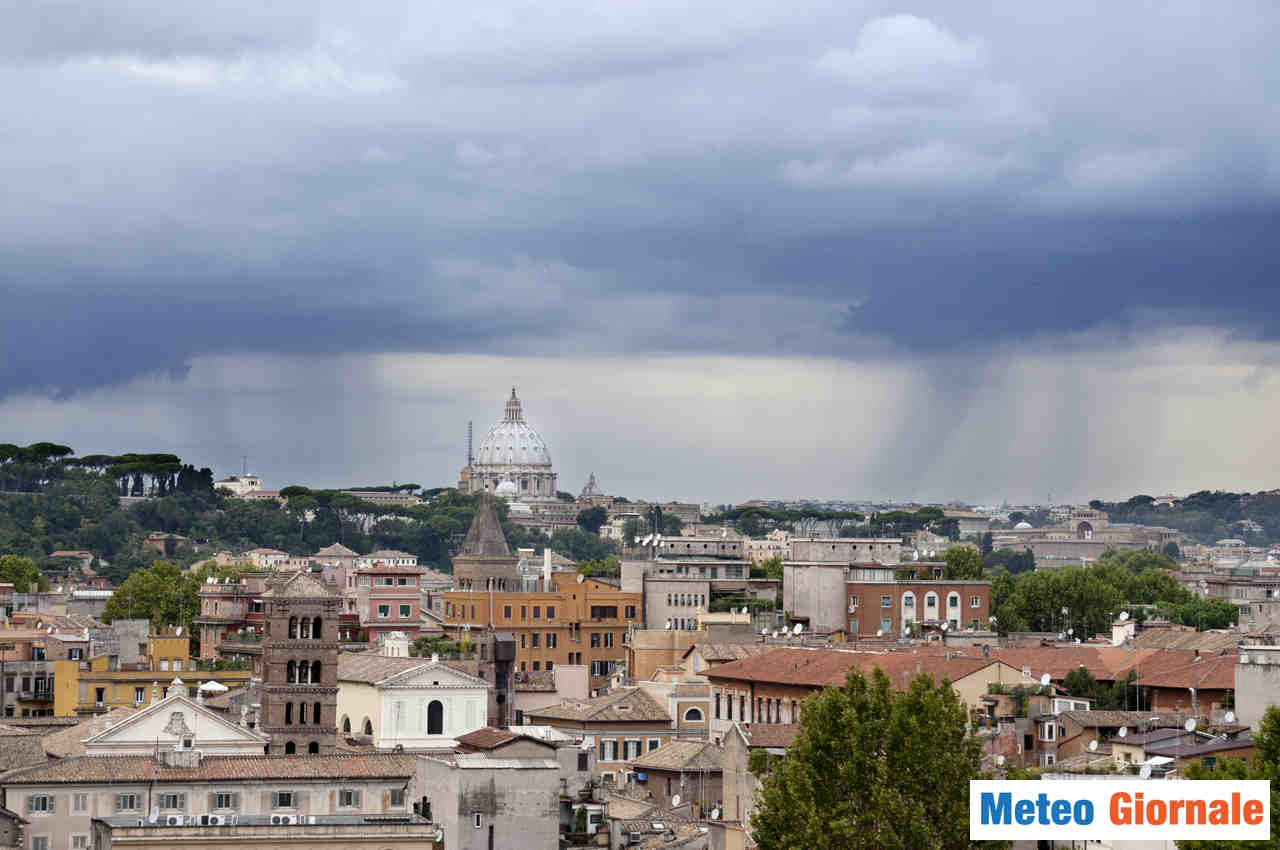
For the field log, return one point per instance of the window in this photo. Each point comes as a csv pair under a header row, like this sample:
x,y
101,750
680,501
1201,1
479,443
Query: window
x,y
506,611
551,612
931,601
537,612
80,842
953,601
384,611
404,612
551,640
535,639
164,665
348,799
549,663
79,802
654,743
908,601
139,695
126,802
693,715
853,627
477,820
608,640
537,665
853,603
631,612
975,601
608,750
40,842
524,612
284,799
886,601
595,640
223,800
522,641
173,801
397,798
99,695
742,706
583,761
631,749
886,626
716,709
40,804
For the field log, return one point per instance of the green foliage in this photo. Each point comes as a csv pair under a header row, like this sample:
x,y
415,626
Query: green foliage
x,y
22,574
988,545
163,594
565,497
726,603
873,769
672,525
579,545
963,563
1206,516
1009,560
759,762
768,568
425,646
591,519
580,819
608,567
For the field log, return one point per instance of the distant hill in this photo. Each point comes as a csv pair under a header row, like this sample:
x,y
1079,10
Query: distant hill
x,y
1206,516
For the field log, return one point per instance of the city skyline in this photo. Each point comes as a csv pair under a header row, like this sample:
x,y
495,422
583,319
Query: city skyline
x,y
810,250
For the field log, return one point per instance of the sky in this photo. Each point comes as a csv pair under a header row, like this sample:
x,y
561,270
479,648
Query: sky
x,y
838,250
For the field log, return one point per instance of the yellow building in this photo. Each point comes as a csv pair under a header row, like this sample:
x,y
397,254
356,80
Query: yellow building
x,y
99,684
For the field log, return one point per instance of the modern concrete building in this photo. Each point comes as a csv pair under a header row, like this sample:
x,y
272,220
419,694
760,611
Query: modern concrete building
x,y
483,802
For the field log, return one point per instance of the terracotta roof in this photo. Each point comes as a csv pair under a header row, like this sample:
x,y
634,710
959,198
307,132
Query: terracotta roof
x,y
728,651
681,755
770,735
335,550
299,586
1181,669
1132,719
624,704
96,769
20,748
368,668
1179,639
818,668
68,743
487,738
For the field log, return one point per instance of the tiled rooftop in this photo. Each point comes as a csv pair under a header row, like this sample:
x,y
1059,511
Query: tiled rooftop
x,y
93,769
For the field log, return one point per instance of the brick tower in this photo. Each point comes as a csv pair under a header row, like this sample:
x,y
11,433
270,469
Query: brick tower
x,y
299,669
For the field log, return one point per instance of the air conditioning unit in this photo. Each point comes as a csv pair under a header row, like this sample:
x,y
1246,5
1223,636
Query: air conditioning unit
x,y
212,820
284,819
174,820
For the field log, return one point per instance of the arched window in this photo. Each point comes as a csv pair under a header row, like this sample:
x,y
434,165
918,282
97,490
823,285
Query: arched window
x,y
293,627
367,729
313,748
315,629
291,672
290,748
315,672
305,631
346,725
302,714
931,600
303,672
288,713
315,713
693,715
435,717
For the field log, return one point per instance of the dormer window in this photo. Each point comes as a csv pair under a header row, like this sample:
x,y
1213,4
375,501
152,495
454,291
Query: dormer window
x,y
187,743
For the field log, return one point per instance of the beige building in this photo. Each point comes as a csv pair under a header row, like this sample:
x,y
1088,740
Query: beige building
x,y
270,832
413,703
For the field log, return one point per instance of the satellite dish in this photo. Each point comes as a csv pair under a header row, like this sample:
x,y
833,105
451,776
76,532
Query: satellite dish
x,y
944,626
1071,631
991,620
1244,658
675,801
775,634
668,625
1062,635
1044,680
799,627
879,632
1145,773
1230,717
178,633
999,761
715,814
439,836
1093,746
1065,611
1124,730
581,578
764,632
1124,615
1190,725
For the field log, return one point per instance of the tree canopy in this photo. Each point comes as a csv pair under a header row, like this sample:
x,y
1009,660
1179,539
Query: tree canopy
x,y
872,769
163,594
1264,765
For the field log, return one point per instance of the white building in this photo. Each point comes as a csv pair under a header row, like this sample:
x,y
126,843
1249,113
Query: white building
x,y
415,703
512,448
240,484
386,558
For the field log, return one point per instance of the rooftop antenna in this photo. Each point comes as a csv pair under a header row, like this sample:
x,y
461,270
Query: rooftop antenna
x,y
470,455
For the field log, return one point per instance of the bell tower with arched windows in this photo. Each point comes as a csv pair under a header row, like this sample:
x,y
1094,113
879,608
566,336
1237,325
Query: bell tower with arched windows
x,y
299,667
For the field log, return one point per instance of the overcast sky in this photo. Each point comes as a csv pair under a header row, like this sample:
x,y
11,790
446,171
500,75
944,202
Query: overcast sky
x,y
829,249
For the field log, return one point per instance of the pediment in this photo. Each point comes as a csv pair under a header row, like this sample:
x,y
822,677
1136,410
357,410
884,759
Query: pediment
x,y
169,721
433,674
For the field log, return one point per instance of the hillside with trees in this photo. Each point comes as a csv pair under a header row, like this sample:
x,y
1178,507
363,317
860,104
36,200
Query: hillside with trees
x,y
1205,516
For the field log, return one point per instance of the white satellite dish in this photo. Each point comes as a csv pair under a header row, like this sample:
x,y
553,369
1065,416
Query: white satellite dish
x,y
799,627
1065,611
675,801
999,761
1145,773
879,632
1124,730
991,620
178,633
1124,615
1190,725
1093,746
775,634
1230,717
581,578
944,626
668,625
715,814
1071,631
1044,680
764,632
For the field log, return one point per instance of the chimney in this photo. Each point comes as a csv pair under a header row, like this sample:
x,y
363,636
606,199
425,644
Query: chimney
x,y
546,569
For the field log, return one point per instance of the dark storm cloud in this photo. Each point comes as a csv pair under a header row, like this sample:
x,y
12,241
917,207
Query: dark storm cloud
x,y
822,180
